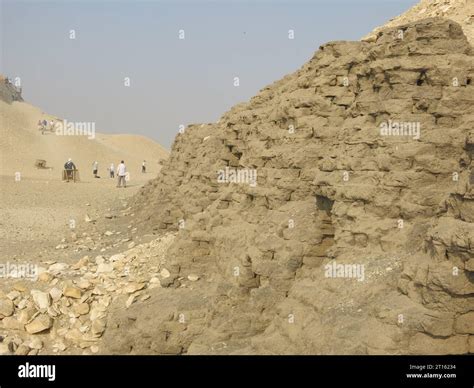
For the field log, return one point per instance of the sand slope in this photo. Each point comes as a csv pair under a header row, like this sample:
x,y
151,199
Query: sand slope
x,y
22,143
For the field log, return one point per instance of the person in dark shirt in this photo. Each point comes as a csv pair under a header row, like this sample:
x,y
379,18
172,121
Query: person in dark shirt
x,y
70,167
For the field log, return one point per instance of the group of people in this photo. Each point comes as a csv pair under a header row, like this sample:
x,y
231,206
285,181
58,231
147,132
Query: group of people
x,y
45,125
121,172
111,168
70,168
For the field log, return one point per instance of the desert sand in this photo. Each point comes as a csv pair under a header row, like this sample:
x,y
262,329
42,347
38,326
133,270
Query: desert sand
x,y
351,240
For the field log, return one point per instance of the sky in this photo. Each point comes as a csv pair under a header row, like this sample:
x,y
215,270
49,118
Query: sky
x,y
128,71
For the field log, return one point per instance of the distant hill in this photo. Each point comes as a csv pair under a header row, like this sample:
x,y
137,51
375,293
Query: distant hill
x,y
22,143
8,92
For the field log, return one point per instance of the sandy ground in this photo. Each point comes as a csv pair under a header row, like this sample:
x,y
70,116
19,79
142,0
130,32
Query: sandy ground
x,y
36,214
35,230
37,211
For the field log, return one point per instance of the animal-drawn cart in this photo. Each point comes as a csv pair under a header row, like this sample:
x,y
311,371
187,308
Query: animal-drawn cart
x,y
41,164
71,175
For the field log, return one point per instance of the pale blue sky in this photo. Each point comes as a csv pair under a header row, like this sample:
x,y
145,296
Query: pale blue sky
x,y
173,81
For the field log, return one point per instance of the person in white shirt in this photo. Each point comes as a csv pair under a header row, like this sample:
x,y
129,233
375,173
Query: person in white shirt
x,y
144,167
112,170
95,168
121,173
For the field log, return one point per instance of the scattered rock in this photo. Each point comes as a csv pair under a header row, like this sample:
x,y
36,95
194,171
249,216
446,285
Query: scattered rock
x,y
117,257
130,300
84,284
4,349
134,287
6,307
98,326
11,323
36,343
55,294
41,299
81,263
57,268
165,273
22,350
105,268
20,287
59,346
81,308
72,292
13,295
41,323
45,277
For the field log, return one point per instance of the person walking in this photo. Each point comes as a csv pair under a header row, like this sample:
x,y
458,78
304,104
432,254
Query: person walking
x,y
121,173
112,170
144,167
70,169
41,126
95,168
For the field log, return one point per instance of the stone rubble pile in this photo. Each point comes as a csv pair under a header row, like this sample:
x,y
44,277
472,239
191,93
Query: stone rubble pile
x,y
65,309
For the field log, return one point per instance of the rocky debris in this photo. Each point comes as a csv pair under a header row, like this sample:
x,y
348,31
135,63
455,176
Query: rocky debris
x,y
165,273
134,287
81,309
57,268
4,349
42,299
105,268
36,343
72,292
39,324
12,323
55,294
6,307
22,350
71,307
